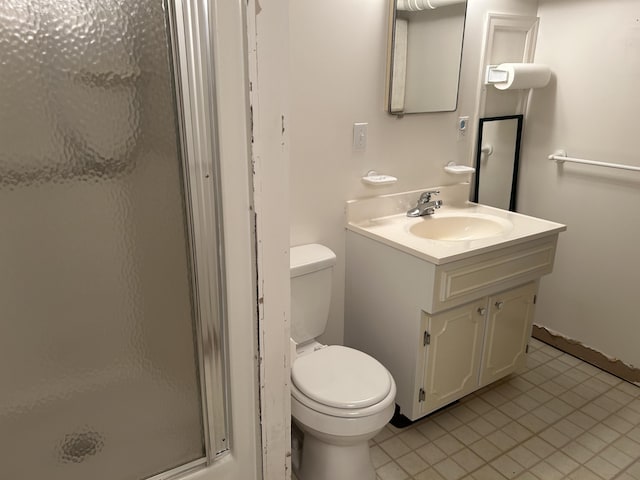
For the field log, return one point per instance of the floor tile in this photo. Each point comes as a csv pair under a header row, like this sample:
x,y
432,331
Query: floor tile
x,y
466,435
562,462
413,438
554,437
479,406
496,417
524,456
595,411
578,452
635,405
628,446
591,442
582,420
487,473
569,428
501,440
602,467
604,433
412,463
394,447
481,426
634,434
545,471
378,456
449,469
464,413
618,423
617,457
468,460
538,446
532,422
431,453
516,431
448,444
430,429
485,449
428,474
507,466
583,473
383,435
634,470
557,418
512,409
391,471
447,421
619,396
629,389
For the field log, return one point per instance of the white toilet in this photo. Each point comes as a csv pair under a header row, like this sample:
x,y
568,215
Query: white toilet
x,y
340,397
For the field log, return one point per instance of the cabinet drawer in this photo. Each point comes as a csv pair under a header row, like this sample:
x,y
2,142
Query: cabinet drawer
x,y
459,282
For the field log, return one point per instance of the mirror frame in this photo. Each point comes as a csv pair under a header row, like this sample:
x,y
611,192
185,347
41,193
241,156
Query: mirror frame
x,y
516,159
391,39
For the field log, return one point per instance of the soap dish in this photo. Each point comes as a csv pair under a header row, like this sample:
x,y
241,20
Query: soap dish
x,y
451,167
374,178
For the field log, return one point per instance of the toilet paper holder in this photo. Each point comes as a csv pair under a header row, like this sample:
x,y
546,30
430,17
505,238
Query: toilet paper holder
x,y
517,76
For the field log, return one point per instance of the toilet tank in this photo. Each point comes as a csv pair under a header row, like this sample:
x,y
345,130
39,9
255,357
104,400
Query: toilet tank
x,y
311,269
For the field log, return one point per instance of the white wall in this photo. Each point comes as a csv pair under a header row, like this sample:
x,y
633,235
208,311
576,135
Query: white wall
x,y
591,110
337,77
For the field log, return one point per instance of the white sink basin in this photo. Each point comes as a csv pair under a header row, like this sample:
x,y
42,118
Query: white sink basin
x,y
454,228
458,230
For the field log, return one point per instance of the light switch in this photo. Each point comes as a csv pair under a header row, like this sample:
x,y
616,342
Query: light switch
x,y
360,136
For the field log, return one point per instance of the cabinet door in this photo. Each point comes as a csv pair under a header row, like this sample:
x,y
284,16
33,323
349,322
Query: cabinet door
x,y
452,355
508,330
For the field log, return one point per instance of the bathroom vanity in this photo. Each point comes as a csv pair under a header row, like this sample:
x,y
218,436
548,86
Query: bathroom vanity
x,y
446,301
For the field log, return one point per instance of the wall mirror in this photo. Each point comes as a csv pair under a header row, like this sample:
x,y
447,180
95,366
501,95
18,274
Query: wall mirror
x,y
424,54
497,159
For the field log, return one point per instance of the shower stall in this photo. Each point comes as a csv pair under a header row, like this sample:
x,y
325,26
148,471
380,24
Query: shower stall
x,y
114,340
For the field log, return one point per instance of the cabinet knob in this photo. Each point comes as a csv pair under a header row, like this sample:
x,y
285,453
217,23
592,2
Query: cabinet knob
x,y
499,305
482,310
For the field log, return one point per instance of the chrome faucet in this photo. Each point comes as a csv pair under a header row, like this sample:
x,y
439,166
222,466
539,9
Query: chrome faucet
x,y
425,206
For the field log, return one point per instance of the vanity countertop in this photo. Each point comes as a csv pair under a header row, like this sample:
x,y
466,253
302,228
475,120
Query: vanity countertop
x,y
395,229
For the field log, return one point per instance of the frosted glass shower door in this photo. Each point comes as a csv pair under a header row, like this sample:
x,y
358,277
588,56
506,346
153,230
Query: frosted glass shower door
x,y
100,369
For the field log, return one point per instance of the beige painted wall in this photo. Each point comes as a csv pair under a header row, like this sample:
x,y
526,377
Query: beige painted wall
x,y
590,109
337,77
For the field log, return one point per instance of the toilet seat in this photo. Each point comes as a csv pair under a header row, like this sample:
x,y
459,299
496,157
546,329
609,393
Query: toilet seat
x,y
341,381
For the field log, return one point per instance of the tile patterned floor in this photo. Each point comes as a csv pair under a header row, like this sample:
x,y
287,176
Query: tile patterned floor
x,y
557,418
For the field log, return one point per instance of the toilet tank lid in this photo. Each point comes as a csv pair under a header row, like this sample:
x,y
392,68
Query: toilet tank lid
x,y
310,258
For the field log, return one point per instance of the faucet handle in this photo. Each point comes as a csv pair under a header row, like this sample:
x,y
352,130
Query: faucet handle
x,y
426,196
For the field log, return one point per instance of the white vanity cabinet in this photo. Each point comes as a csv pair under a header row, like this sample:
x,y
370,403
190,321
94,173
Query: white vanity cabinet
x,y
470,346
442,330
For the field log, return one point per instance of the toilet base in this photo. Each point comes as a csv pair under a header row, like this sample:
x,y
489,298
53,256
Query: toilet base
x,y
323,461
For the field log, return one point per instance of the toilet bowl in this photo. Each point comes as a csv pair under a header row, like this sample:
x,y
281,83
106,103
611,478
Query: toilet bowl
x,y
340,397
338,422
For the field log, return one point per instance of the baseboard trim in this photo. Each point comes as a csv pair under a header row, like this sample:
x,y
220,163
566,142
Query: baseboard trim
x,y
573,347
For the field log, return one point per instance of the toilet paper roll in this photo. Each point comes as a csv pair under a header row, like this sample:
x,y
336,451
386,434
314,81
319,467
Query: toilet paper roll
x,y
524,75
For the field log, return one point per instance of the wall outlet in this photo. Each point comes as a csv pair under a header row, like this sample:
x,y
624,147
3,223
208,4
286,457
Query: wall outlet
x,y
463,123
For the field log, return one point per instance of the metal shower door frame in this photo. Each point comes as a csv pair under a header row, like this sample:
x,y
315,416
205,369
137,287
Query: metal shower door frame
x,y
201,33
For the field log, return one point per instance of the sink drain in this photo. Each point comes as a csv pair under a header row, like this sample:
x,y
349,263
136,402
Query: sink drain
x,y
76,447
